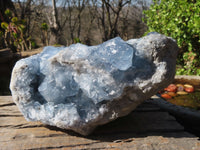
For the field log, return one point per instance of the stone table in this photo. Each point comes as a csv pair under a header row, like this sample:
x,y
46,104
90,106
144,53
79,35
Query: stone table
x,y
146,128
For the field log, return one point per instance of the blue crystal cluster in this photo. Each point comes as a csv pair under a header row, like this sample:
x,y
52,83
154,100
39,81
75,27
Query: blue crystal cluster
x,y
79,87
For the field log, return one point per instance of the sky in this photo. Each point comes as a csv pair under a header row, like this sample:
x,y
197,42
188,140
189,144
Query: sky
x,y
134,2
139,2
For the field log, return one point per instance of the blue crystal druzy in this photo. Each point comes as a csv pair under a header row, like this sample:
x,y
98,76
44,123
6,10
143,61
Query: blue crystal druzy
x,y
79,87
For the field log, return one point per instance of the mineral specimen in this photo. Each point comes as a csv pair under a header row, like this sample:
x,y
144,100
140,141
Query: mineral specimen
x,y
80,87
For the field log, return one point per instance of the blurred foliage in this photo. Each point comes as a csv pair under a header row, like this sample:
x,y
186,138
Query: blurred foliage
x,y
57,45
45,27
179,19
14,34
77,40
8,13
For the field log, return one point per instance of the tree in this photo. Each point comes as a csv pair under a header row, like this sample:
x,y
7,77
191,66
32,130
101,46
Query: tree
x,y
69,12
55,25
75,9
69,21
180,20
25,12
89,20
108,17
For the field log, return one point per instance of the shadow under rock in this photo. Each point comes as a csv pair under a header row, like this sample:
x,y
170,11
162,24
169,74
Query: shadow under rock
x,y
146,120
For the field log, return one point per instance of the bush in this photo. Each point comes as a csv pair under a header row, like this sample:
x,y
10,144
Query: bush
x,y
13,33
179,19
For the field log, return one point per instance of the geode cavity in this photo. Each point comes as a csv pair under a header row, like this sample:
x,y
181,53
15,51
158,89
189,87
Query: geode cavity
x,y
80,87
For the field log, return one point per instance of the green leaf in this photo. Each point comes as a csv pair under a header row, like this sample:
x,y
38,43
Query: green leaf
x,y
4,25
44,26
15,35
179,19
14,19
22,28
8,12
1,34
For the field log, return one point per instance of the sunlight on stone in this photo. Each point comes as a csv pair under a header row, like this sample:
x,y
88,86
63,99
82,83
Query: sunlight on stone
x,y
80,87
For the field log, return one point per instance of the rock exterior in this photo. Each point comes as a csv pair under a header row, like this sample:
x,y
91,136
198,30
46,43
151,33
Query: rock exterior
x,y
80,87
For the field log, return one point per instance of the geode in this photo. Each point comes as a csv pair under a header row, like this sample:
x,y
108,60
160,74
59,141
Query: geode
x,y
80,87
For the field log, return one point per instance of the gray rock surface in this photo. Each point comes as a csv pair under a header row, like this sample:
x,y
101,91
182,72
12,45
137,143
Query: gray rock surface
x,y
80,87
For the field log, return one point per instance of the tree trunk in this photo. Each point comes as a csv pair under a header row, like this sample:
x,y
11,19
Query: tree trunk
x,y
56,36
55,16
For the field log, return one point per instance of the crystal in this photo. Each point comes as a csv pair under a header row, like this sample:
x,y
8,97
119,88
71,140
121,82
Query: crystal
x,y
80,87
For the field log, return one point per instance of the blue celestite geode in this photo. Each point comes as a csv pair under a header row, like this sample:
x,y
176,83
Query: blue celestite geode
x,y
80,87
